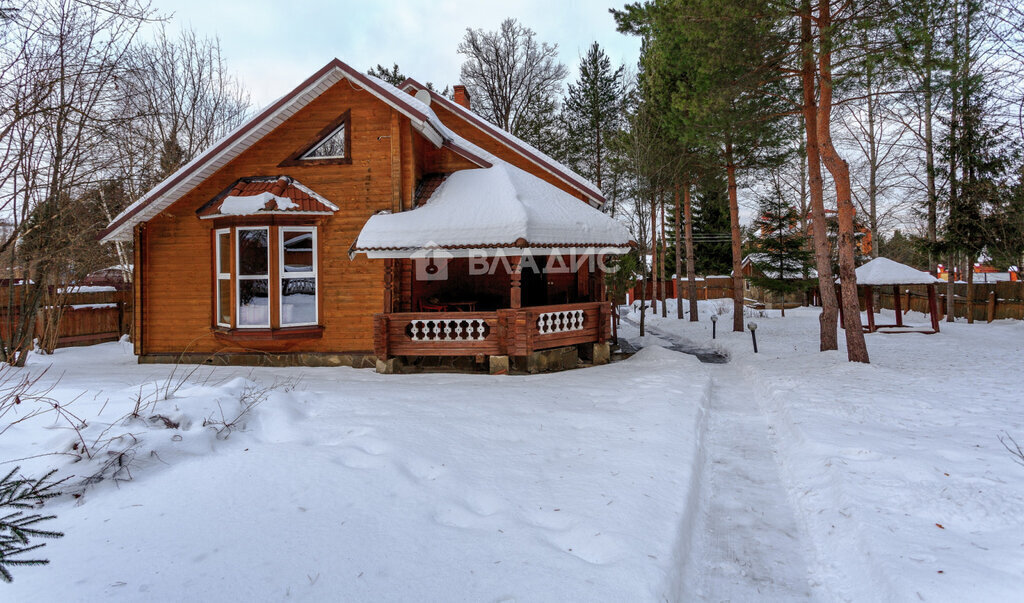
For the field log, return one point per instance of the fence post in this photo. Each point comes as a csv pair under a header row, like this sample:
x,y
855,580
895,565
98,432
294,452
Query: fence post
x,y
990,314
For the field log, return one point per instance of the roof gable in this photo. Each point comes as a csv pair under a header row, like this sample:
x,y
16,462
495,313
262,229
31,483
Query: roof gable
x,y
265,121
513,143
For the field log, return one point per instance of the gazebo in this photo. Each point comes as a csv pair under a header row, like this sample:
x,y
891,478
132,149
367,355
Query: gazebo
x,y
883,272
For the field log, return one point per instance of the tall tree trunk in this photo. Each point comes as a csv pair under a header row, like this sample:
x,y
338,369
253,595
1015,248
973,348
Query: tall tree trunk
x,y
872,162
679,256
953,187
856,347
829,319
691,264
664,260
929,144
737,242
654,252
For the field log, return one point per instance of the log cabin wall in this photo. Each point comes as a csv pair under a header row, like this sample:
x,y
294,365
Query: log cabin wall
x,y
177,251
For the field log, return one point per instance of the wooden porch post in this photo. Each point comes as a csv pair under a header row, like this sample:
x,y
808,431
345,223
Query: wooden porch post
x,y
869,305
897,304
933,308
389,285
516,294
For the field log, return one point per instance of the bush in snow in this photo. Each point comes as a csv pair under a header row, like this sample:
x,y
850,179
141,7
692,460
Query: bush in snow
x,y
1013,448
17,528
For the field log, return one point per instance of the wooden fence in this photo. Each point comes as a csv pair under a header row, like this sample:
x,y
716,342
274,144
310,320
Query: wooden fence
x,y
88,317
712,287
992,301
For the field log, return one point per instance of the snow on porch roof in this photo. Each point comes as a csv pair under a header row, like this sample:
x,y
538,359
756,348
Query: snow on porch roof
x,y
883,271
497,207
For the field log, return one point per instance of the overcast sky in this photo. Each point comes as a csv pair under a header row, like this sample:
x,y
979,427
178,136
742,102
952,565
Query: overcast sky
x,y
273,45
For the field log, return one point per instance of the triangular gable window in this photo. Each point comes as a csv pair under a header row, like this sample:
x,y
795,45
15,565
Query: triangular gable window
x,y
331,145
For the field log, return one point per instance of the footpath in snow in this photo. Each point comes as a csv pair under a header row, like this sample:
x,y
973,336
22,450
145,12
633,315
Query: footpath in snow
x,y
746,544
895,479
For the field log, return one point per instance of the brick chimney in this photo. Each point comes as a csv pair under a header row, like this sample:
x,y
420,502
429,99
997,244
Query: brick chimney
x,y
461,95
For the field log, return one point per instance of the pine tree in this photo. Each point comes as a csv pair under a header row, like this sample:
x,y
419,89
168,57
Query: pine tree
x,y
781,258
17,528
592,113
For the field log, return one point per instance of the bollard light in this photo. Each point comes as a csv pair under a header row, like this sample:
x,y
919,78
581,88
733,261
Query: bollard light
x,y
753,333
714,323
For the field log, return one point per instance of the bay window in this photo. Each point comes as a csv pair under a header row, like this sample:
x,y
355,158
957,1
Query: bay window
x,y
265,277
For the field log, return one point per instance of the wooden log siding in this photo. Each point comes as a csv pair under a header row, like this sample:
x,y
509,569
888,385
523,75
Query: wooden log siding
x,y
512,332
177,283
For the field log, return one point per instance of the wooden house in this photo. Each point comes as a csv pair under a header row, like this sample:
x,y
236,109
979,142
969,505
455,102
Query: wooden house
x,y
352,223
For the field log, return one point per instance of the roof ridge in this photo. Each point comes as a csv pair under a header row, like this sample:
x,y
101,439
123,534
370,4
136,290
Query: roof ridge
x,y
529,151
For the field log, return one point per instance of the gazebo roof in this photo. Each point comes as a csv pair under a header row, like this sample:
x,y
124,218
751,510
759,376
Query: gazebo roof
x,y
500,207
883,271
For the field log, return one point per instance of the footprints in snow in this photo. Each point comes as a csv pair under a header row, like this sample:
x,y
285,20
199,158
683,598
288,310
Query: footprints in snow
x,y
480,510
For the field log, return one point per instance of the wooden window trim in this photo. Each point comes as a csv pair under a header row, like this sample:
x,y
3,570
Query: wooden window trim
x,y
252,277
218,276
296,158
263,334
314,274
274,331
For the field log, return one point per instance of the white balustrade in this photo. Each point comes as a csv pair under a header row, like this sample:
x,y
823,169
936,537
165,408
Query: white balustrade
x,y
448,329
560,322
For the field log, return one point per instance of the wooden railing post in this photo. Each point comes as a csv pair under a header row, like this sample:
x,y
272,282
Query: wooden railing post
x,y
516,293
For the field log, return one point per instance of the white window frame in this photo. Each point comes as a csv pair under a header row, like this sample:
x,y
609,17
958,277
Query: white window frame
x,y
239,277
295,275
221,276
307,155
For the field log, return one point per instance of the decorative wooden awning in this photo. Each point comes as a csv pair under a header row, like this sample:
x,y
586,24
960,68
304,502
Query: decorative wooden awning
x,y
260,195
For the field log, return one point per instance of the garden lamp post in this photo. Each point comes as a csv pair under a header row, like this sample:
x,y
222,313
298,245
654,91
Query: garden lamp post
x,y
714,323
753,333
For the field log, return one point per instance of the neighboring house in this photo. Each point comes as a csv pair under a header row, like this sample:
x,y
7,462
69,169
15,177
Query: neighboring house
x,y
352,222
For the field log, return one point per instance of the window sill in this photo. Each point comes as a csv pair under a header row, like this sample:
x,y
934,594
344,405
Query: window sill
x,y
281,334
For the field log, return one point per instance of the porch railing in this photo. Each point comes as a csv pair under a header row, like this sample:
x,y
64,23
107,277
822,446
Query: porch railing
x,y
512,332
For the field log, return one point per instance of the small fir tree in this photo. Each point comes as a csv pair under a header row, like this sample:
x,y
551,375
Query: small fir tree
x,y
782,259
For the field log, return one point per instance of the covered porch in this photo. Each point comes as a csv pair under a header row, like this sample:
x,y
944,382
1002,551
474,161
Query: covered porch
x,y
498,266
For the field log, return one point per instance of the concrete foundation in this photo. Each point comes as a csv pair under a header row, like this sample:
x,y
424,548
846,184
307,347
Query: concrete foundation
x,y
498,365
267,359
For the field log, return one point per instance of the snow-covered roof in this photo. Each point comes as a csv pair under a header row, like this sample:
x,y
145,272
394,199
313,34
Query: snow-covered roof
x,y
523,148
266,195
883,271
187,177
497,207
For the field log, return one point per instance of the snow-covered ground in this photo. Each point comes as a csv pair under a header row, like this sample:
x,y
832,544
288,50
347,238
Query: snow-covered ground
x,y
789,474
344,484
